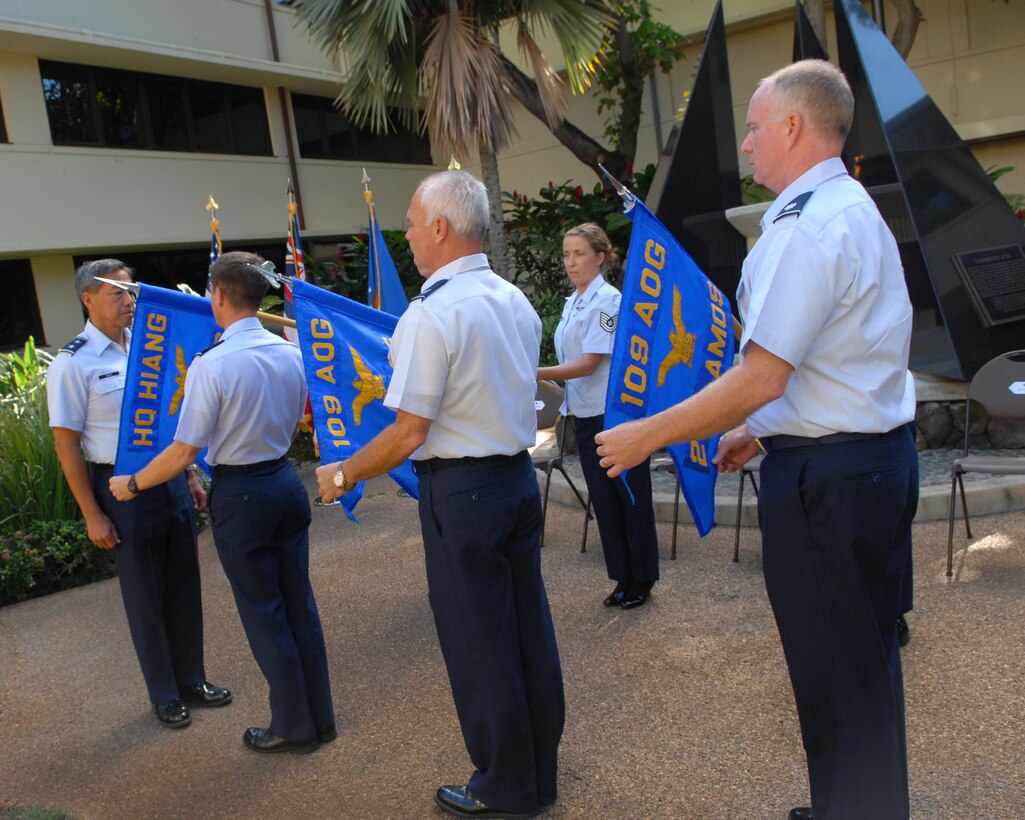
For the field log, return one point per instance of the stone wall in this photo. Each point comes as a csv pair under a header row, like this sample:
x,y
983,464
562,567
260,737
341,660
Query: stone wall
x,y
941,425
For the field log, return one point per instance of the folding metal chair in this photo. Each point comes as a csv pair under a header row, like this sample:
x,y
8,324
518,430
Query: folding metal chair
x,y
999,388
547,452
749,470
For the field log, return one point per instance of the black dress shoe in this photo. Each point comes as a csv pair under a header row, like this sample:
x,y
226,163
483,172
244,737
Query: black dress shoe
x,y
174,714
205,694
264,740
326,733
637,595
903,631
616,598
460,801
800,813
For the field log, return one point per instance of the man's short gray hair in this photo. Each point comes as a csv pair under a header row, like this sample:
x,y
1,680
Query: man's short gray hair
x,y
460,198
817,90
85,276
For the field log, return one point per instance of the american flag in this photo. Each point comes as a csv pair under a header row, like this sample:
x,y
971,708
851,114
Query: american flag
x,y
215,240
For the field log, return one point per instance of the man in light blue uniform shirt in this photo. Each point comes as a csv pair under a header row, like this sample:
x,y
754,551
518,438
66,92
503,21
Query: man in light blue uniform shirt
x,y
465,356
154,543
824,387
244,398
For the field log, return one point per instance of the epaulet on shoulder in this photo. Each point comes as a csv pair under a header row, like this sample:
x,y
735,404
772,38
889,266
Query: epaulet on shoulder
x,y
424,294
793,208
73,346
207,349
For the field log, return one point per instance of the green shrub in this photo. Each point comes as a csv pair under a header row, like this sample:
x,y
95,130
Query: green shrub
x,y
536,227
48,556
32,485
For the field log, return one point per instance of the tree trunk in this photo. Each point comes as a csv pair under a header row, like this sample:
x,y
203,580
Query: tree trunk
x,y
499,245
908,18
585,148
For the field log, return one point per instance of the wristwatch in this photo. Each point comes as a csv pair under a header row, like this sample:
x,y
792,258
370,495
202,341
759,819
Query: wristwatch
x,y
192,468
133,488
339,479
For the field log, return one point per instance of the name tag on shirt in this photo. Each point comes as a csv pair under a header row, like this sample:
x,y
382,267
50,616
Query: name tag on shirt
x,y
109,382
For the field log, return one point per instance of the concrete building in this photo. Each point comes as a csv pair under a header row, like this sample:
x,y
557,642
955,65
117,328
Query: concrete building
x,y
119,121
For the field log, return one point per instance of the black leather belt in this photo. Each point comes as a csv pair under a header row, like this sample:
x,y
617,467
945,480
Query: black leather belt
x,y
97,466
772,444
435,465
221,470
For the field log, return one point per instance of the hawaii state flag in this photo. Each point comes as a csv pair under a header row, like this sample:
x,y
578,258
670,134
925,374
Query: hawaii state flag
x,y
675,336
294,266
345,354
170,329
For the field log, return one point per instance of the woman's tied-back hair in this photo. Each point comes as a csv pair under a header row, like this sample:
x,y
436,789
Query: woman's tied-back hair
x,y
460,198
817,90
599,241
235,273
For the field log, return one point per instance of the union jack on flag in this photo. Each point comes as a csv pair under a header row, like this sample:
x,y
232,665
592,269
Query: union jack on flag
x,y
215,239
294,266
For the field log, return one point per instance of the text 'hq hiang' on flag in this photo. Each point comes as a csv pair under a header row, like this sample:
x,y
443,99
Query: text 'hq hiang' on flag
x,y
345,354
384,288
170,329
675,336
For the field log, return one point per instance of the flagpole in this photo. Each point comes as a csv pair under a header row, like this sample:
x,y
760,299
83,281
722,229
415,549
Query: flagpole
x,y
629,198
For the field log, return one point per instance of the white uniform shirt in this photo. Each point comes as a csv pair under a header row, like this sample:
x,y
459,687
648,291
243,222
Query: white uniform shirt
x,y
824,290
588,325
465,357
244,396
84,390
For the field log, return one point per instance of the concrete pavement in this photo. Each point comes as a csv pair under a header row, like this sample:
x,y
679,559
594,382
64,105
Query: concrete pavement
x,y
679,709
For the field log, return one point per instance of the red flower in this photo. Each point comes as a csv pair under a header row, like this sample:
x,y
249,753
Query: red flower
x,y
515,194
550,184
524,199
578,192
629,170
1021,214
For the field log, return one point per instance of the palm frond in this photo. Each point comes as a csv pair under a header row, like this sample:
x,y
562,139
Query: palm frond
x,y
578,25
550,86
468,100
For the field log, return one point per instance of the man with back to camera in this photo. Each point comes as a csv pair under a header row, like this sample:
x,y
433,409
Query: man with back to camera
x,y
824,388
465,357
244,398
153,544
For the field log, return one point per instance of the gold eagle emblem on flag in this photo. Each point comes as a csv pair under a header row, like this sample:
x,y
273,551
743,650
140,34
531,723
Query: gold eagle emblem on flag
x,y
682,342
369,385
179,381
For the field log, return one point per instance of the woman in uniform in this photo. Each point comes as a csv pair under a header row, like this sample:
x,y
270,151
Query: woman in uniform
x,y
583,344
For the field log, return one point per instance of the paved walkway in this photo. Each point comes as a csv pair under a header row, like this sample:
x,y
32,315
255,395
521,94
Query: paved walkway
x,y
680,709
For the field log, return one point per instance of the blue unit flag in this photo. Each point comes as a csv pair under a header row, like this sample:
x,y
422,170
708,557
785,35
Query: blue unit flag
x,y
674,337
345,353
384,288
170,329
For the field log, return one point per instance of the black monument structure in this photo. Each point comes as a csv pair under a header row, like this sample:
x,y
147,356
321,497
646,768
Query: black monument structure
x,y
697,177
962,247
806,41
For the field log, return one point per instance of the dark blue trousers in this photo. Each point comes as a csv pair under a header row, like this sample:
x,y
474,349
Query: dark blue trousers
x,y
627,528
158,570
481,525
836,532
260,522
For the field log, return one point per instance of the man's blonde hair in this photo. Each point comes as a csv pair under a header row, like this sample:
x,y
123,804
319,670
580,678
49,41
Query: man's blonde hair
x,y
818,91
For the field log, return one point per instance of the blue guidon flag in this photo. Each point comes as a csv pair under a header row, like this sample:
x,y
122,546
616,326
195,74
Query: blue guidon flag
x,y
170,329
345,349
675,336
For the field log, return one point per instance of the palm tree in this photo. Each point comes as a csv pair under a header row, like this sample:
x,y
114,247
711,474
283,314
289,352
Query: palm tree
x,y
435,64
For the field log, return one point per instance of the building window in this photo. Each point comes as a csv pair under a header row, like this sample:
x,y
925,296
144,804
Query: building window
x,y
110,108
326,133
19,311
